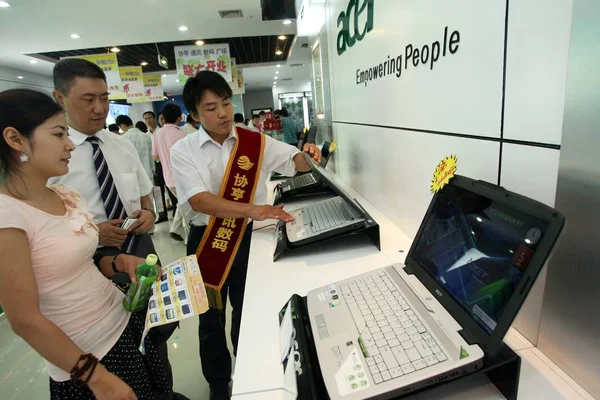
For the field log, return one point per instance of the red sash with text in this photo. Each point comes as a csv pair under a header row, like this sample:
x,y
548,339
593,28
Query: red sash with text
x,y
223,236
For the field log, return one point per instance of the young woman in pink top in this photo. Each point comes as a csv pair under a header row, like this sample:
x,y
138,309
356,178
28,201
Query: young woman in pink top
x,y
53,294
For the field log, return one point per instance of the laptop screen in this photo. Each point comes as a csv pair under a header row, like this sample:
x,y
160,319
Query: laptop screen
x,y
478,250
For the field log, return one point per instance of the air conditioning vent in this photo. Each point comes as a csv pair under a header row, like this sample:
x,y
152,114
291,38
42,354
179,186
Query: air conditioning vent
x,y
231,14
296,65
304,45
286,79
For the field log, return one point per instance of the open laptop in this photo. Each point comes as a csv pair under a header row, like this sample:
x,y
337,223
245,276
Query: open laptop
x,y
327,218
303,184
478,252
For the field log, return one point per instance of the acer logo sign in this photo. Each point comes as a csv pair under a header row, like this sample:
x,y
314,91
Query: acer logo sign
x,y
351,32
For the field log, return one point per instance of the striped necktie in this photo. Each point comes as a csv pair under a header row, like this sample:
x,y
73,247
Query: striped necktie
x,y
108,190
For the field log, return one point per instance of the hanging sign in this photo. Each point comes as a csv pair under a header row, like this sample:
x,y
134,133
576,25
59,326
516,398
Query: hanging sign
x,y
132,79
237,79
153,88
212,57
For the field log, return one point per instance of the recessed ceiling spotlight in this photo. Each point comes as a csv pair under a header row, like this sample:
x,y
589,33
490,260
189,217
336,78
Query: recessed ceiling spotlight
x,y
164,75
75,36
33,61
276,72
287,22
144,63
4,4
282,37
183,28
199,42
19,77
177,81
279,52
115,49
278,65
276,77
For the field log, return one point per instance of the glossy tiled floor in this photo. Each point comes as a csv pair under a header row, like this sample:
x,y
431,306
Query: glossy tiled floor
x,y
23,373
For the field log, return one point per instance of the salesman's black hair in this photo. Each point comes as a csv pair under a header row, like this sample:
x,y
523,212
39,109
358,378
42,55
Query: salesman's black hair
x,y
196,86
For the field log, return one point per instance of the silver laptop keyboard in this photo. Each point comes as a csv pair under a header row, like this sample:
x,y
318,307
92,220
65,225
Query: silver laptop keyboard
x,y
326,214
396,339
301,181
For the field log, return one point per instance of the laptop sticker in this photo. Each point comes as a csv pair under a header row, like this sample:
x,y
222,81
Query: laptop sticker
x,y
352,376
463,353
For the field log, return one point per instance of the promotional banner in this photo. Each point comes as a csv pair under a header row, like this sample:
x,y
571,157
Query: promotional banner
x,y
212,57
108,63
132,79
153,88
237,82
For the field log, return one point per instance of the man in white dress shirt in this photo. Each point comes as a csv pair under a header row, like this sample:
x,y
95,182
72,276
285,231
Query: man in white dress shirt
x,y
140,140
199,162
158,179
80,88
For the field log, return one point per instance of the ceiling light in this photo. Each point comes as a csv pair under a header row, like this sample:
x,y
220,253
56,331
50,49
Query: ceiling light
x,y
19,77
75,36
33,61
276,77
287,22
282,37
279,52
115,49
278,65
199,42
164,75
144,63
183,28
276,72
177,81
4,4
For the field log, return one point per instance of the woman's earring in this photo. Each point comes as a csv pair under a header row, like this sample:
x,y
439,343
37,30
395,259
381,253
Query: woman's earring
x,y
24,157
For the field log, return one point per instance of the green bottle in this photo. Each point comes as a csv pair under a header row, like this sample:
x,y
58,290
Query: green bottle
x,y
139,292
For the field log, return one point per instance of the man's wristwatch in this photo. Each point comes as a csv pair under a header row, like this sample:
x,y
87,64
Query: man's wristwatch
x,y
152,211
113,264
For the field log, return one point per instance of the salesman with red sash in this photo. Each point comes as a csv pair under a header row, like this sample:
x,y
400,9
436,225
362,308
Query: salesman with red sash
x,y
221,171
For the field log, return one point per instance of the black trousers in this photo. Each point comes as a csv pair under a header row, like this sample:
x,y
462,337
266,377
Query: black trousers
x,y
214,354
159,180
162,333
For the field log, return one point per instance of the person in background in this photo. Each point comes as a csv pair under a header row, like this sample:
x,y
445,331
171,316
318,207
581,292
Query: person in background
x,y
164,140
158,179
190,126
141,125
150,119
277,115
141,142
199,164
53,295
161,119
254,123
114,128
263,118
106,172
290,128
238,120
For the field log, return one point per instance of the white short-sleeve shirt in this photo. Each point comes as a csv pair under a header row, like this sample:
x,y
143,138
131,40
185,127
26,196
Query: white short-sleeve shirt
x,y
199,163
130,178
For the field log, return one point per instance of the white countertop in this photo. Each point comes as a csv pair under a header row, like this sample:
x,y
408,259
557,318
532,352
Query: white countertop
x,y
258,371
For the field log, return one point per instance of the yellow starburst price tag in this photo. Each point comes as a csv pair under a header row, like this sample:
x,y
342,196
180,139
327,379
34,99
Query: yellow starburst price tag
x,y
443,173
332,146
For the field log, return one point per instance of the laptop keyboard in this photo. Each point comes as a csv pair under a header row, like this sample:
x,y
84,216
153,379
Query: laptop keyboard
x,y
397,341
325,215
301,181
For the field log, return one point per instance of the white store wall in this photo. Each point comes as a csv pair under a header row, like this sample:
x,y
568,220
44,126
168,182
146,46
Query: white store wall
x,y
497,103
256,99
